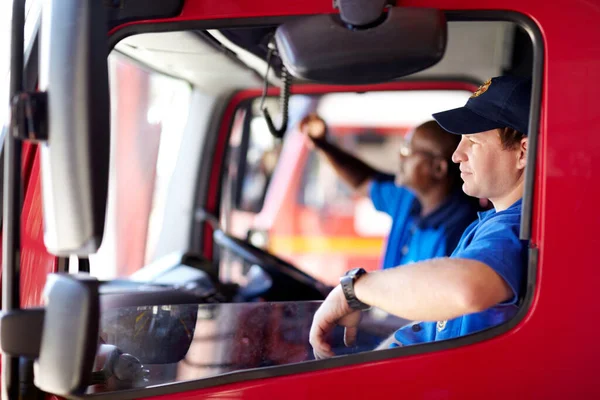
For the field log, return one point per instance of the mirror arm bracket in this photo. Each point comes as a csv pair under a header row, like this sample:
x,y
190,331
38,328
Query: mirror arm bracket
x,y
29,116
362,13
21,332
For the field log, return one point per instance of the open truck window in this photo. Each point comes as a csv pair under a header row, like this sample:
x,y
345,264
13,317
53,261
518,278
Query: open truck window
x,y
225,229
279,202
303,211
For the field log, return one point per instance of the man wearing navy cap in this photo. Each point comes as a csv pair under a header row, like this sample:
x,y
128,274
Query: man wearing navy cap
x,y
479,285
424,198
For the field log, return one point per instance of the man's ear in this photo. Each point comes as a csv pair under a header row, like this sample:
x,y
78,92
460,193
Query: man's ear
x,y
522,161
440,168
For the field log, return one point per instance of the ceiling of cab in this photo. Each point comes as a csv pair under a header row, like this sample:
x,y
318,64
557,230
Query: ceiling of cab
x,y
477,50
186,55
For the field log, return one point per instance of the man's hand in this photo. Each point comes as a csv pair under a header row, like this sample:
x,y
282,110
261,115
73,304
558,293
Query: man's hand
x,y
314,127
334,311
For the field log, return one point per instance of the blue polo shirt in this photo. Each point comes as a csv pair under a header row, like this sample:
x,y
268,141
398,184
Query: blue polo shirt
x,y
493,240
413,238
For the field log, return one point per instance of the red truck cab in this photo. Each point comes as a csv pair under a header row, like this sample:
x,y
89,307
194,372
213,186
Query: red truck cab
x,y
152,315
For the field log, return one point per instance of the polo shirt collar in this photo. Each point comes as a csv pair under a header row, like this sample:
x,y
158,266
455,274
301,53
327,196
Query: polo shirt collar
x,y
516,205
447,213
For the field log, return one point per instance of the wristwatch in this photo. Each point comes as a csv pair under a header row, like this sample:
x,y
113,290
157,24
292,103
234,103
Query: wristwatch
x,y
347,282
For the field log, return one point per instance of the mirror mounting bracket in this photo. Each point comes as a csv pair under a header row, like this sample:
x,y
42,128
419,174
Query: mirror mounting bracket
x,y
361,13
29,119
21,332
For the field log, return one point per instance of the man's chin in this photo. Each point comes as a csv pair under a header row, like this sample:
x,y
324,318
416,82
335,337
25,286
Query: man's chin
x,y
469,190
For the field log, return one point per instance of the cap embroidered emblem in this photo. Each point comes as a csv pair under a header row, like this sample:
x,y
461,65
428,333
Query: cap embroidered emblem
x,y
482,89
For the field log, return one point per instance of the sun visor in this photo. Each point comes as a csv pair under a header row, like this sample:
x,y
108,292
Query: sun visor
x,y
323,48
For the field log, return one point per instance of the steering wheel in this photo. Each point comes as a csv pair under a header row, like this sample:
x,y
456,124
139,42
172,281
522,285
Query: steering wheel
x,y
286,277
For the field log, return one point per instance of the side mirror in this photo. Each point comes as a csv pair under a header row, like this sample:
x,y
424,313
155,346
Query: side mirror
x,y
75,156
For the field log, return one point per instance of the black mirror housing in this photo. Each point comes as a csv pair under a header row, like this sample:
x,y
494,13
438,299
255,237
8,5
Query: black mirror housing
x,y
408,40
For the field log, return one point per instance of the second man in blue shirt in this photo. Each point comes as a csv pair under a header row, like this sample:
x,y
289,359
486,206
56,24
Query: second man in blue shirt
x,y
429,210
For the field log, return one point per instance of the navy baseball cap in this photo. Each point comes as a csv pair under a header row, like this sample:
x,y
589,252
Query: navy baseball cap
x,y
500,102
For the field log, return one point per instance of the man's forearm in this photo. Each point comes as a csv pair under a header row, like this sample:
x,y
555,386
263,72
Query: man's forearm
x,y
352,170
434,290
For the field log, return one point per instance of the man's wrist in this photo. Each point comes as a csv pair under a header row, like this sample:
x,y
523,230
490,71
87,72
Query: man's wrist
x,y
359,287
363,286
348,282
340,292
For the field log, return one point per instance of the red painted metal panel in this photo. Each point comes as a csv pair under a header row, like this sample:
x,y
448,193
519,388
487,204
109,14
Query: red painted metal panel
x,y
36,262
548,355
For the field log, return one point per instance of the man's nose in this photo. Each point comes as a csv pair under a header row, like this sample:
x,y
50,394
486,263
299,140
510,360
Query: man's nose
x,y
459,155
456,157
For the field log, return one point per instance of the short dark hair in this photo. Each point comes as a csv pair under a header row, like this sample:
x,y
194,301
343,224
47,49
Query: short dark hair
x,y
510,138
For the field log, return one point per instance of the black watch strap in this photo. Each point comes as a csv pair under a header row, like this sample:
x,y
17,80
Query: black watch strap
x,y
347,282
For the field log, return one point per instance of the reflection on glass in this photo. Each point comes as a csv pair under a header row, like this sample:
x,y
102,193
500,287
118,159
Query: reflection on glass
x,y
152,345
